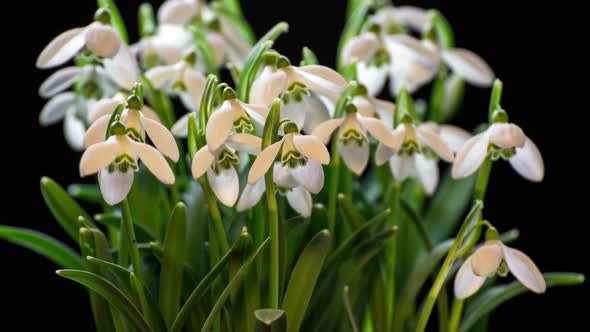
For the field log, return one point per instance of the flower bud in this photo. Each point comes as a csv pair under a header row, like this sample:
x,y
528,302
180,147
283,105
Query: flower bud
x,y
102,40
507,135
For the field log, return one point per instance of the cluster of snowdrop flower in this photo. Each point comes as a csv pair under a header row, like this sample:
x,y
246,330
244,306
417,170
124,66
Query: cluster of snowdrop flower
x,y
104,114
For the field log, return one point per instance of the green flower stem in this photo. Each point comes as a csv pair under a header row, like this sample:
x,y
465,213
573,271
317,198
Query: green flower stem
x,y
456,315
481,185
216,228
335,164
439,282
391,253
128,236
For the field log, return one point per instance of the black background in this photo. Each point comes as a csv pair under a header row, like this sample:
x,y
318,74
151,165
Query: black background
x,y
537,50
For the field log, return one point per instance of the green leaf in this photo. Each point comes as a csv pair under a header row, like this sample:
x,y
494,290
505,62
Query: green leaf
x,y
230,286
65,210
116,19
173,264
348,308
270,320
238,21
143,234
205,51
492,298
120,274
303,279
145,201
42,244
111,293
233,5
352,214
146,20
309,58
85,192
447,206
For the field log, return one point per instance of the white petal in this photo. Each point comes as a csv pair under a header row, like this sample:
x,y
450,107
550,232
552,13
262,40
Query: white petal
x,y
360,48
310,176
195,85
251,195
380,131
123,69
258,113
523,268
202,161
56,108
62,48
150,113
427,172
161,75
322,80
161,137
486,260
372,77
263,162
454,137
268,86
402,166
293,111
469,66
470,156
434,142
300,200
325,130
364,105
355,157
225,185
466,282
528,162
411,49
219,126
154,161
116,185
386,110
101,108
177,11
99,156
102,40
312,148
245,142
180,128
217,44
282,176
74,130
383,154
506,135
59,81
315,112
97,131
413,17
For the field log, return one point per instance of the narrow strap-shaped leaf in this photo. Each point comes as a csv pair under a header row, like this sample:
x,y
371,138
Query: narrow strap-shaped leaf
x,y
348,309
233,5
309,58
65,210
351,213
173,264
303,279
146,20
116,18
205,51
42,244
271,320
227,291
120,273
143,233
238,21
111,293
85,192
495,296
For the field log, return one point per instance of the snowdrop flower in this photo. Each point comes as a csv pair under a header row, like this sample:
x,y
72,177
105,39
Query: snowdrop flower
x,y
300,89
116,159
297,196
302,154
493,257
220,163
353,143
468,66
181,79
136,126
501,140
98,37
417,156
453,136
106,106
166,46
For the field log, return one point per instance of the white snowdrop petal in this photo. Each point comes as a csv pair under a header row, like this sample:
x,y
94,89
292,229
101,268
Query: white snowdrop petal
x,y
310,176
116,185
372,77
524,269
161,137
99,156
97,131
180,128
386,110
202,161
354,156
383,154
282,176
268,86
325,130
434,142
413,17
470,156
162,75
258,113
225,185
364,105
263,162
412,50
251,195
101,108
245,142
360,48
59,81
74,130
312,148
102,40
154,161
466,282
293,111
528,162
62,48
380,131
150,113
177,11
56,107
454,136
486,260
300,200
219,127
470,66
322,80
315,112
123,68
402,166
217,44
195,86
427,173
506,135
